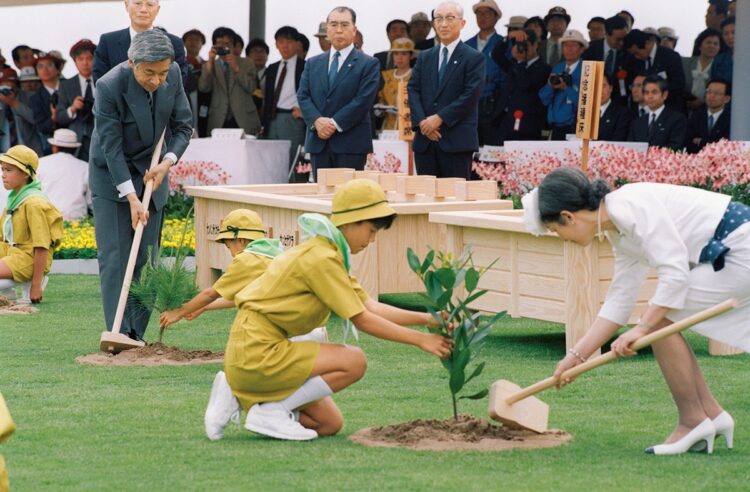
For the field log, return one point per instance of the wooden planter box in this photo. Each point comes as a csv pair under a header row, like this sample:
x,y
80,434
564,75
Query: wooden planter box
x,y
542,277
382,267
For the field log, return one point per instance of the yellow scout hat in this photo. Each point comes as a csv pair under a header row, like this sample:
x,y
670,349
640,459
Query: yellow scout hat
x,y
241,223
402,44
23,158
357,200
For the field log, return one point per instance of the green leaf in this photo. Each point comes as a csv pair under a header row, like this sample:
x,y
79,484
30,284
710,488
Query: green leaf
x,y
427,260
458,371
434,287
476,295
443,299
476,372
413,260
447,277
475,396
472,279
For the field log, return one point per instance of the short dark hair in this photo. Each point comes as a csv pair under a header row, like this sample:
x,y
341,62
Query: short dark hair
x,y
538,21
531,36
286,32
257,43
382,222
704,34
614,23
636,38
222,32
597,19
238,40
342,10
729,20
655,79
16,52
194,32
305,41
721,7
396,21
727,85
611,78
568,188
630,16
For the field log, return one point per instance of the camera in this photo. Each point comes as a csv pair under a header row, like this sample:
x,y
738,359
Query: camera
x,y
6,91
221,51
563,77
521,46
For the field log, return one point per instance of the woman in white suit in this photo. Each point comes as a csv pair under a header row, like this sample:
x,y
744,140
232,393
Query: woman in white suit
x,y
699,244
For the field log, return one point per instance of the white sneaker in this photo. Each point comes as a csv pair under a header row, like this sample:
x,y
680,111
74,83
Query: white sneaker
x,y
222,408
317,335
273,421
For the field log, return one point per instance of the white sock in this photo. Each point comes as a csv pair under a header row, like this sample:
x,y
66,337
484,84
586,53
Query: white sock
x,y
313,389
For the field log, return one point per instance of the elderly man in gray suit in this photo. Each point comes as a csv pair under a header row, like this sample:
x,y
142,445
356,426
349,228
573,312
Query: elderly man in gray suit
x,y
135,102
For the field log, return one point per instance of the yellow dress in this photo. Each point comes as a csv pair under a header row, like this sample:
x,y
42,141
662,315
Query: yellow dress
x,y
244,268
36,224
389,95
296,294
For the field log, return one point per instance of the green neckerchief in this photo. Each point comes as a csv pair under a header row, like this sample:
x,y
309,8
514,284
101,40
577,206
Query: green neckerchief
x,y
14,201
265,247
319,225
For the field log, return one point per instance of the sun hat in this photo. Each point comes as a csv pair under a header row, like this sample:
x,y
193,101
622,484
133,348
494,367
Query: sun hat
x,y
81,45
401,45
573,35
667,32
322,30
23,158
241,223
358,200
28,74
64,137
489,4
557,12
419,17
517,21
10,74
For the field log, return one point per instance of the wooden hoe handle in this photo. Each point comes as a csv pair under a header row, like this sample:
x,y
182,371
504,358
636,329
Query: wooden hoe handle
x,y
120,313
637,345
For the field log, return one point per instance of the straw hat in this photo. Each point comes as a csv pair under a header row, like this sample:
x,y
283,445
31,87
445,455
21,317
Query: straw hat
x,y
667,32
241,223
402,45
573,35
64,138
23,158
358,200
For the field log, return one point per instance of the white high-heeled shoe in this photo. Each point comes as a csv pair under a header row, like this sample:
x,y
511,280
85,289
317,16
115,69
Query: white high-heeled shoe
x,y
724,425
703,432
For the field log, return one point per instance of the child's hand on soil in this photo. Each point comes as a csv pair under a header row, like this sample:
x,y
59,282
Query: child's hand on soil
x,y
35,294
436,345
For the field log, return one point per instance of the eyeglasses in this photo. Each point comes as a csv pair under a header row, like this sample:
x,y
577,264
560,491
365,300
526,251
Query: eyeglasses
x,y
715,93
636,86
450,19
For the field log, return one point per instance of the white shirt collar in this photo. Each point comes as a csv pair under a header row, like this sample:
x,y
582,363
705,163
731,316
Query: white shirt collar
x,y
344,55
53,89
652,55
291,60
451,47
604,107
572,68
532,61
133,32
716,114
657,113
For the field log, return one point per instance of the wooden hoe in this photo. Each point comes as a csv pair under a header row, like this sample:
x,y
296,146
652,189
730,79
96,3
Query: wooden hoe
x,y
114,341
516,407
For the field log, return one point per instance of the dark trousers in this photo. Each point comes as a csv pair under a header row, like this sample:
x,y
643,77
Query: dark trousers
x,y
114,237
559,132
489,117
435,162
327,159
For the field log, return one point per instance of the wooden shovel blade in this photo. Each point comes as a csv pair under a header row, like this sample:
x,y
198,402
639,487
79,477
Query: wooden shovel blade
x,y
530,413
115,343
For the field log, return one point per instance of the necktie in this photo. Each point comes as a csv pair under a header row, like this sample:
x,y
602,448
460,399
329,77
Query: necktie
x,y
443,65
648,64
711,122
651,123
334,70
89,94
610,62
641,112
277,91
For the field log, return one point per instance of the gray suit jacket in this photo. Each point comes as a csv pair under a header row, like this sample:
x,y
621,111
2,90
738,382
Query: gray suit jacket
x,y
233,90
125,134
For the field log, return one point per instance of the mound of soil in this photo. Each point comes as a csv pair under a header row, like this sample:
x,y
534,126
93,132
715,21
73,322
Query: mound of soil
x,y
9,307
467,433
154,354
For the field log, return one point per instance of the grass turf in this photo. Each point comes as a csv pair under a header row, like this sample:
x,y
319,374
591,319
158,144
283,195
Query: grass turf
x,y
116,428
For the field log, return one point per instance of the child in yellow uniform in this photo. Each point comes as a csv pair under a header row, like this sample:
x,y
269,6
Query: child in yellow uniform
x,y
272,377
7,427
31,226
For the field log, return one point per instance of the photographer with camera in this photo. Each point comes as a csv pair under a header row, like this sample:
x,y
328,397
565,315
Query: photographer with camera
x,y
231,81
76,97
44,101
527,73
16,117
560,94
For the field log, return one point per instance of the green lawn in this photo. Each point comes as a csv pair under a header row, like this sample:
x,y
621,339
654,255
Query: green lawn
x,y
97,428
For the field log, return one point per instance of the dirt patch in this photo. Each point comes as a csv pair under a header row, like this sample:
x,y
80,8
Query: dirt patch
x,y
155,354
467,433
9,307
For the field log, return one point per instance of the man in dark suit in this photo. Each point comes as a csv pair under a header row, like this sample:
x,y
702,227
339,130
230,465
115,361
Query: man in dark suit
x,y
526,74
397,28
610,51
113,46
444,92
710,124
614,119
135,102
660,126
652,59
76,97
336,94
419,28
282,117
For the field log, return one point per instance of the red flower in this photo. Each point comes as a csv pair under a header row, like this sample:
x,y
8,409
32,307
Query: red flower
x,y
622,74
518,114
